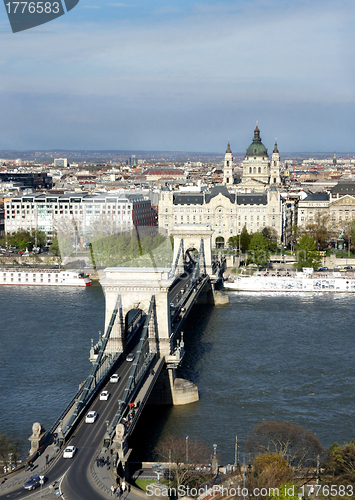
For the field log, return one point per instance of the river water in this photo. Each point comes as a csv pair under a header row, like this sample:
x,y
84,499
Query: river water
x,y
282,356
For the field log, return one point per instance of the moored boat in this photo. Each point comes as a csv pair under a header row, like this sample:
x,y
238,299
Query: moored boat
x,y
305,281
43,277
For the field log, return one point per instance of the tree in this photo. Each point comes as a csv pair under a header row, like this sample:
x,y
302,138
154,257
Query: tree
x,y
258,250
270,470
306,253
9,450
298,446
21,240
233,241
340,462
244,239
352,231
54,247
185,454
271,236
319,230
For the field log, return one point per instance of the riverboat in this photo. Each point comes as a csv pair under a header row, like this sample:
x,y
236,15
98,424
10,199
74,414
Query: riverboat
x,y
305,281
43,277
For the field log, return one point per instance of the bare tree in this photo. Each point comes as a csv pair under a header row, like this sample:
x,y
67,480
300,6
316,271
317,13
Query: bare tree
x,y
186,456
320,230
297,445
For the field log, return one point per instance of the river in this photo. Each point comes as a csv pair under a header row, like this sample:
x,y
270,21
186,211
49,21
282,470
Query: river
x,y
288,357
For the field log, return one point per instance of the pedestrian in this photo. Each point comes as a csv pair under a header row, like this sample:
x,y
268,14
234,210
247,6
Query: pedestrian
x,y
97,462
47,459
113,489
123,487
118,481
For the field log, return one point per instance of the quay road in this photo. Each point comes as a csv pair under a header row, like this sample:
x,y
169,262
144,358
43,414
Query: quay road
x,y
74,474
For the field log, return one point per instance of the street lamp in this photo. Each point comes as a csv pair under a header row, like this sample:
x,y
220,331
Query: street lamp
x,y
187,449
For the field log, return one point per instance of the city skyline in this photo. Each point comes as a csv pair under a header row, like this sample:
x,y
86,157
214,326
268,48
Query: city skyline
x,y
181,77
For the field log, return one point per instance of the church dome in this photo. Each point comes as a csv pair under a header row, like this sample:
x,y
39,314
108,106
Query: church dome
x,y
257,148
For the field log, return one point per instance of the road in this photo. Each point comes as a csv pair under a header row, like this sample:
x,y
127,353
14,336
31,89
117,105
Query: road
x,y
74,474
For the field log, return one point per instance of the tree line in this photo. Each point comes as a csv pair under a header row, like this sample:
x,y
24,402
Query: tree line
x,y
259,246
280,453
25,240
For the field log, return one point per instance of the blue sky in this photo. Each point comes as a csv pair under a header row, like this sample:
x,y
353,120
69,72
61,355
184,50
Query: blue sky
x,y
182,76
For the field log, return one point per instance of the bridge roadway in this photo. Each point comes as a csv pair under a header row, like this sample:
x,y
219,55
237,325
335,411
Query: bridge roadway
x,y
74,474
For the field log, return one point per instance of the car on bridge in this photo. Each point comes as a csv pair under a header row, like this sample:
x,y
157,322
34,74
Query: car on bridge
x,y
33,482
104,396
114,378
69,452
91,417
130,357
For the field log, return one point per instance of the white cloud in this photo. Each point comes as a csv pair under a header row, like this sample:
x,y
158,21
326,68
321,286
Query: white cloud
x,y
215,56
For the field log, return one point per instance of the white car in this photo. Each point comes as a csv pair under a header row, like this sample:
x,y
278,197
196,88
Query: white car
x,y
130,357
104,396
114,378
91,417
69,452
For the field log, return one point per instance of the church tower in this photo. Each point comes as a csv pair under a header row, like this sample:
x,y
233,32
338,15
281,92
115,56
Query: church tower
x,y
256,165
228,167
275,166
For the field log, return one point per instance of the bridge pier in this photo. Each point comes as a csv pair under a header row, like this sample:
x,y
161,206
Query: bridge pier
x,y
171,390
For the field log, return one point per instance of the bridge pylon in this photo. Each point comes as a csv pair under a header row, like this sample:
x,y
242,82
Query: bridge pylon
x,y
191,236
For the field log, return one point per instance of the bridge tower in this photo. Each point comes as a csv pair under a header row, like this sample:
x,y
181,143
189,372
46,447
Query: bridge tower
x,y
191,236
135,288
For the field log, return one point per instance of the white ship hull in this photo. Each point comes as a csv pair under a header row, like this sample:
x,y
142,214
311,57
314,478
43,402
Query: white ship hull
x,y
43,277
292,284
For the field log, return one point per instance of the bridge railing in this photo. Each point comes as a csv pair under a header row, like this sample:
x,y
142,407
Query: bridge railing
x,y
90,385
136,373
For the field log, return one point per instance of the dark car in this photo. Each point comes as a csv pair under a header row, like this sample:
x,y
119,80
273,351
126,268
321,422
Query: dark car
x,y
322,269
33,482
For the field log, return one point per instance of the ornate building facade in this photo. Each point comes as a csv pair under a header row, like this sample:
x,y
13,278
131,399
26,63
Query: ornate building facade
x,y
254,203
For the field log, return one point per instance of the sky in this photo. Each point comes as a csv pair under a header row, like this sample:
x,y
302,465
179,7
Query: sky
x,y
182,76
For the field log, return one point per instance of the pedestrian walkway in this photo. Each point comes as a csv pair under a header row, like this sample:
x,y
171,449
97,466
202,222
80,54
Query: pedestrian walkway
x,y
37,467
102,475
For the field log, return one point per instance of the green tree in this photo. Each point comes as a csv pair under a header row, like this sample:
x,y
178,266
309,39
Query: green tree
x,y
21,239
340,463
244,239
258,250
271,236
233,241
306,253
54,247
39,238
352,231
270,470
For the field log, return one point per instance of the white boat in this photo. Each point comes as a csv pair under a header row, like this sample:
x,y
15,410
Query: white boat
x,y
43,277
305,281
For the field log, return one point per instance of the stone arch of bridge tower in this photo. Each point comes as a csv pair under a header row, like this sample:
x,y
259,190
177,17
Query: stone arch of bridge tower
x,y
192,236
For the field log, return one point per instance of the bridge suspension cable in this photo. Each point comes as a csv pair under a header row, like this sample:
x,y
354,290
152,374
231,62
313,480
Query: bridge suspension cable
x,y
90,383
181,250
136,374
